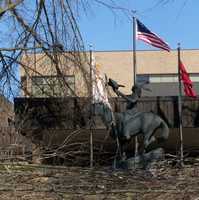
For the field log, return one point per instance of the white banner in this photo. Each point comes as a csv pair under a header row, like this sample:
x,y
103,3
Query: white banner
x,y
99,91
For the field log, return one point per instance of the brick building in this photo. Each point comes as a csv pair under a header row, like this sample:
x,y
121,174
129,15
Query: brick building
x,y
159,68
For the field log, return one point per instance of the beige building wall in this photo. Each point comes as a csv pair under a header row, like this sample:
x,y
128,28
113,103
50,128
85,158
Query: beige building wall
x,y
41,65
117,65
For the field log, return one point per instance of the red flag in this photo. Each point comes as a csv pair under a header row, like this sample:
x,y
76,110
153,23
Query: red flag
x,y
188,85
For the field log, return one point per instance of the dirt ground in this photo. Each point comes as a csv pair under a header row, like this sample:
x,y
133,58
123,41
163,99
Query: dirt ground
x,y
161,181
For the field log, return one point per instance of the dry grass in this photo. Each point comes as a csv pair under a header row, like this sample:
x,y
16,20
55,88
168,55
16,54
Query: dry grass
x,y
35,182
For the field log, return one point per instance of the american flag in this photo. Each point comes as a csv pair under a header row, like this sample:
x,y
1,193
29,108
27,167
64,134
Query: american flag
x,y
144,34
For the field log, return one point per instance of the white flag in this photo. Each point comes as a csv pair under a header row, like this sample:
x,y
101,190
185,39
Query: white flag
x,y
99,90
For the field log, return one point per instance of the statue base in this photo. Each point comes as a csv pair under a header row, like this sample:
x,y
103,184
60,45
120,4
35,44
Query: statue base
x,y
140,161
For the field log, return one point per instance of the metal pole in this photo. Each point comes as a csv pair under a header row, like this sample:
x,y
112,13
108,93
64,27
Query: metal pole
x,y
134,51
91,117
180,108
135,69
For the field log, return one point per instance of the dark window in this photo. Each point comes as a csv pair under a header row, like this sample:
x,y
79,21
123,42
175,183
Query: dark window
x,y
165,84
141,79
56,86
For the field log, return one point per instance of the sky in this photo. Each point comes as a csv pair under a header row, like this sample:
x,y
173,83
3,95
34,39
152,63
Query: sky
x,y
176,21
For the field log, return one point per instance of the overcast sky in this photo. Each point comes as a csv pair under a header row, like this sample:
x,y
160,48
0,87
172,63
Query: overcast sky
x,y
177,21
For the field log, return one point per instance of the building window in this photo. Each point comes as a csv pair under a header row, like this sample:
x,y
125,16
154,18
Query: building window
x,y
53,86
165,84
164,78
142,79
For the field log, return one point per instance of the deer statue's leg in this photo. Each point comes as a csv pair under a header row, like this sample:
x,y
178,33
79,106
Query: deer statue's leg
x,y
122,148
148,139
126,134
151,140
149,134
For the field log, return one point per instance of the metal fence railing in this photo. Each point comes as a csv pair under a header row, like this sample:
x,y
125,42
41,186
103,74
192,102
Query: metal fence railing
x,y
11,147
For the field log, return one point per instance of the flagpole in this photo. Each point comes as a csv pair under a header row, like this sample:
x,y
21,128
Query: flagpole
x,y
180,108
134,51
91,95
134,68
